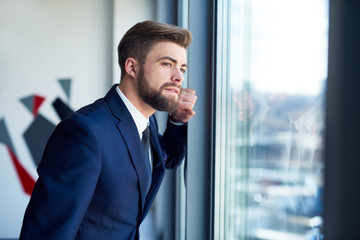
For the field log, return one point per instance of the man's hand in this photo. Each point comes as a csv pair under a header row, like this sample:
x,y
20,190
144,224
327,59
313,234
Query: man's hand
x,y
184,110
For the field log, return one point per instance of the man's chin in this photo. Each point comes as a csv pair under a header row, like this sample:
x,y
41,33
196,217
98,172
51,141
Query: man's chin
x,y
169,103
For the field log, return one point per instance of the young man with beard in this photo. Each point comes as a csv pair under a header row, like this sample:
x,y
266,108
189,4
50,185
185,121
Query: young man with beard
x,y
96,181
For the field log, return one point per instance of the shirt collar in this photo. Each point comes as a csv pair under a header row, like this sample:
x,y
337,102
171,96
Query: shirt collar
x,y
140,121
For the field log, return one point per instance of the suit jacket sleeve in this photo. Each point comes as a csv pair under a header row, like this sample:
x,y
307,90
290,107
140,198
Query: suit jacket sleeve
x,y
174,143
68,175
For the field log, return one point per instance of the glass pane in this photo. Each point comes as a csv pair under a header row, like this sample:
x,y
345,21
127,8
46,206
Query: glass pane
x,y
271,75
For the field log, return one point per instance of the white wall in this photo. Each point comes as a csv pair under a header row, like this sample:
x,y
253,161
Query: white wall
x,y
126,14
41,41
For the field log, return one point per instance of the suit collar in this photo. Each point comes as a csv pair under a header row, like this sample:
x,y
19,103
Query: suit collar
x,y
139,119
116,105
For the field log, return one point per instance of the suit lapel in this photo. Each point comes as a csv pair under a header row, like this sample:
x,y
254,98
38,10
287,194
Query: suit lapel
x,y
130,135
133,144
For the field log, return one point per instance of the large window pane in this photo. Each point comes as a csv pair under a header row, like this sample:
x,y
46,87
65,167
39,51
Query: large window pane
x,y
271,74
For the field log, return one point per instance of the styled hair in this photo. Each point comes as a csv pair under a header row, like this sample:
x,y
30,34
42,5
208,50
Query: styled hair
x,y
139,39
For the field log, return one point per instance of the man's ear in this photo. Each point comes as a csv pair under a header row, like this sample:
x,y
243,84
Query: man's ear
x,y
131,66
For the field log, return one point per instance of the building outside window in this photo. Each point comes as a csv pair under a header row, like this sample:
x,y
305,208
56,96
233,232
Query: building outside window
x,y
270,85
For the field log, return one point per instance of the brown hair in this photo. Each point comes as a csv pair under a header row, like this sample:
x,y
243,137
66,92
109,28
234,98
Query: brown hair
x,y
139,39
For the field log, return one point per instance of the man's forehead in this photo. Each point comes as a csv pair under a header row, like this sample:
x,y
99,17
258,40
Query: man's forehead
x,y
168,50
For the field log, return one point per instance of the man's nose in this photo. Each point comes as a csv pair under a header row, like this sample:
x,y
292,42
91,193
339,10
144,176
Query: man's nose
x,y
177,76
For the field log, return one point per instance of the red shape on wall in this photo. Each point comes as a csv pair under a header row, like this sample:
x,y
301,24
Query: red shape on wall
x,y
26,179
38,100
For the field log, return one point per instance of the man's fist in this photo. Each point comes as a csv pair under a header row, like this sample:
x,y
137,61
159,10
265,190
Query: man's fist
x,y
184,110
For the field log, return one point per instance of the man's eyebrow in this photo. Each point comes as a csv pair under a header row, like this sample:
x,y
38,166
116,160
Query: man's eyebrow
x,y
172,60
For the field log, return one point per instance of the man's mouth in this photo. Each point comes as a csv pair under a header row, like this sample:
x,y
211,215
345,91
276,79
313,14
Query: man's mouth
x,y
173,90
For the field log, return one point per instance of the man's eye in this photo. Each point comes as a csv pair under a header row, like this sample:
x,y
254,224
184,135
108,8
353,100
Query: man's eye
x,y
167,64
183,70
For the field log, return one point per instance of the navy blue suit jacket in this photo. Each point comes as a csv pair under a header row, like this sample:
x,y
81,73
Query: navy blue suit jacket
x,y
93,182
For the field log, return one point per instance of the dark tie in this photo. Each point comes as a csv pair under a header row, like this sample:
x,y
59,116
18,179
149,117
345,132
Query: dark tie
x,y
146,146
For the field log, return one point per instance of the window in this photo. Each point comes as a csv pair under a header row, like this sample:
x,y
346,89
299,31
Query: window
x,y
270,84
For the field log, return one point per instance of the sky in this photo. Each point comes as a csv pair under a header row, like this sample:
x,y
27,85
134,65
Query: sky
x,y
285,50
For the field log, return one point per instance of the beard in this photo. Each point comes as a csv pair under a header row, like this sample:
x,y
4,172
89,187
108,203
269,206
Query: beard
x,y
154,97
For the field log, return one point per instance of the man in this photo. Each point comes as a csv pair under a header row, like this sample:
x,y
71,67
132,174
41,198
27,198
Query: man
x,y
95,180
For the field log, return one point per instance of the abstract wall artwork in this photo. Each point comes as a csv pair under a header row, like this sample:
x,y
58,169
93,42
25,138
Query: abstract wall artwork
x,y
37,133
